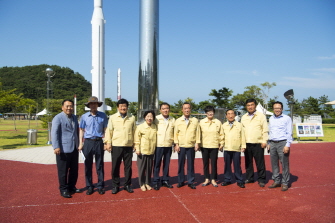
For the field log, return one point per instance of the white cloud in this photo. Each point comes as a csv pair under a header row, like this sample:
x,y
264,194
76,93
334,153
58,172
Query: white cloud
x,y
328,70
255,73
323,72
332,57
243,72
326,82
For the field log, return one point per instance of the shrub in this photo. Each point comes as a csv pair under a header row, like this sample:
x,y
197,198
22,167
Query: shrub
x,y
328,121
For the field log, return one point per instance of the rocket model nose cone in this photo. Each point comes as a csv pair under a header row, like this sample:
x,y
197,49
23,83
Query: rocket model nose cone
x,y
98,3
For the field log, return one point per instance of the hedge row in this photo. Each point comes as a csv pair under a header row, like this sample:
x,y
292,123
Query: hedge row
x,y
328,121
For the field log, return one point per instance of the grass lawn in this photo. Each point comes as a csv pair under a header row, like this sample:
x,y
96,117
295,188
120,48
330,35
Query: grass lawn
x,y
11,139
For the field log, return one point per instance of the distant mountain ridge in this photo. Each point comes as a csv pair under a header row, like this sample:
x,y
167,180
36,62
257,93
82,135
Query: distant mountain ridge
x,y
32,82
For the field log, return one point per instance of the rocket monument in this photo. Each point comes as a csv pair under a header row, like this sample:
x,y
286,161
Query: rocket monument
x,y
98,53
148,69
119,84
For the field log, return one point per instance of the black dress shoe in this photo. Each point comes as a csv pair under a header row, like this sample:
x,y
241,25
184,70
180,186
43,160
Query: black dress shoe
x,y
74,190
179,185
225,183
241,185
65,194
156,187
192,186
166,184
89,191
101,191
128,188
115,190
261,184
249,181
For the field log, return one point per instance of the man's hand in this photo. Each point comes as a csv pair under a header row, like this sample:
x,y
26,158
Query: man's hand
x,y
177,148
242,150
108,147
196,147
263,145
221,148
80,147
286,149
57,151
138,152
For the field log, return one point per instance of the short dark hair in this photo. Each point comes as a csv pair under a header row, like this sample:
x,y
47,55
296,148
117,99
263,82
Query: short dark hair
x,y
186,103
230,109
209,108
65,100
278,102
164,103
250,100
148,112
122,101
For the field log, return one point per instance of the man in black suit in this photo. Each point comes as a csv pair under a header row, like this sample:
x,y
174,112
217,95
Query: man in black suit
x,y
65,141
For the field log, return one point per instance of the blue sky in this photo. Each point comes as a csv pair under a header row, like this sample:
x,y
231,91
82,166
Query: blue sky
x,y
203,44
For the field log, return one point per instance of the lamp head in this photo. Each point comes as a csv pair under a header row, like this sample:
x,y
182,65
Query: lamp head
x,y
49,71
289,94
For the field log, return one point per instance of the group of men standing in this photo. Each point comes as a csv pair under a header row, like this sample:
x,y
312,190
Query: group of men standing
x,y
95,134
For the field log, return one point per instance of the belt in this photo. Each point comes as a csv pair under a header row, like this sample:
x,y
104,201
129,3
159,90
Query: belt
x,y
96,139
278,141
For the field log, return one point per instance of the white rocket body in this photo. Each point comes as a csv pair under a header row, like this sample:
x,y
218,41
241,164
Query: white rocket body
x,y
98,53
119,84
75,104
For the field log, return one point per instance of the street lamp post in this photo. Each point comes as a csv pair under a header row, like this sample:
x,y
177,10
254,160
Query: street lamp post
x,y
289,95
50,73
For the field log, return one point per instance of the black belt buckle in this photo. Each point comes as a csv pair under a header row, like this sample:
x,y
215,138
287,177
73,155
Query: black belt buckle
x,y
96,139
278,141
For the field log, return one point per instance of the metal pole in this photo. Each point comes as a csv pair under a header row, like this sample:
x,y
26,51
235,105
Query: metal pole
x,y
148,69
48,111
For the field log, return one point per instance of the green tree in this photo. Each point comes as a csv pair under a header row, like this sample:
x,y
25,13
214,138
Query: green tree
x,y
15,102
221,97
311,106
238,101
31,81
55,107
133,108
265,93
325,109
203,104
112,104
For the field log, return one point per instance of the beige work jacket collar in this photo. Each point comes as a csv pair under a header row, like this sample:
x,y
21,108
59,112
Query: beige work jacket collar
x,y
161,117
148,126
206,120
125,117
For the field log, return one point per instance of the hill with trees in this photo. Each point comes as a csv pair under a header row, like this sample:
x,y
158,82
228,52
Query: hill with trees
x,y
31,82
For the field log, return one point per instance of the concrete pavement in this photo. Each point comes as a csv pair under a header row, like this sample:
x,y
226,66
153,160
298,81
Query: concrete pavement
x,y
45,155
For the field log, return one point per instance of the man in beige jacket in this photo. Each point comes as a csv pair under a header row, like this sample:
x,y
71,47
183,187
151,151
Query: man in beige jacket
x,y
185,144
119,139
256,134
234,144
165,125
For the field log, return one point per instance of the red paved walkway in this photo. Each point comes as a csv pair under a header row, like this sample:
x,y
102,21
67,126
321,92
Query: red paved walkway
x,y
29,193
